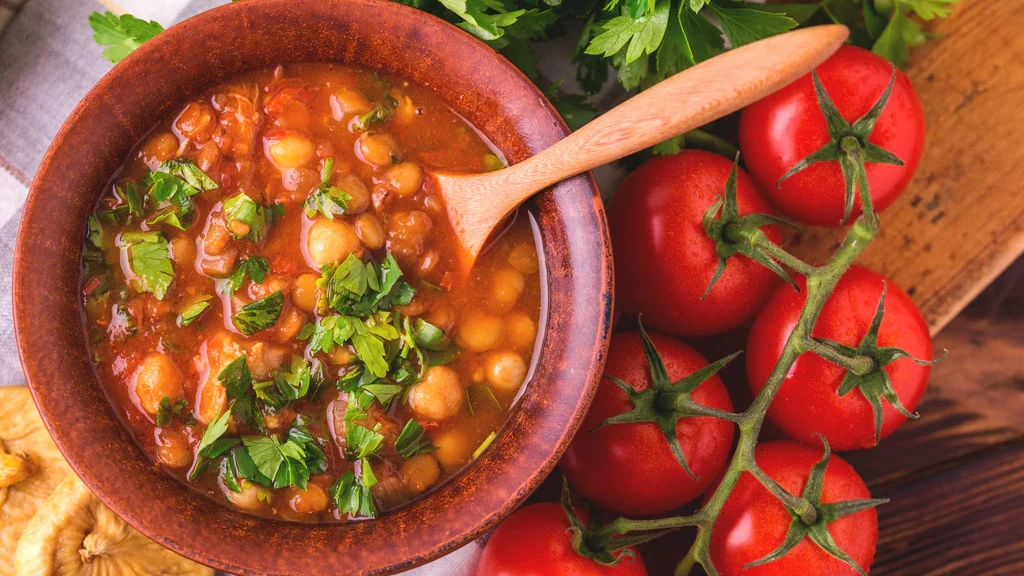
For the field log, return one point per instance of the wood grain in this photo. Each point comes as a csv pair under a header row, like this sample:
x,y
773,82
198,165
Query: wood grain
x,y
477,203
961,222
964,521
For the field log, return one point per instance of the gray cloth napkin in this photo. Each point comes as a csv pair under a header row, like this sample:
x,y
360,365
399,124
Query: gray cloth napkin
x,y
48,61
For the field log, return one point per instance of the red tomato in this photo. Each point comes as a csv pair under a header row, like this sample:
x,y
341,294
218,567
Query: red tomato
x,y
630,468
753,522
535,541
808,400
663,258
784,128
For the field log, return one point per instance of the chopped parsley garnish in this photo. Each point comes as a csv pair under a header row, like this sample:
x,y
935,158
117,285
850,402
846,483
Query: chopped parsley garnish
x,y
259,315
362,442
167,410
377,115
328,200
353,495
193,311
171,188
247,218
286,386
368,336
255,267
122,34
150,261
238,384
362,288
413,441
283,463
212,444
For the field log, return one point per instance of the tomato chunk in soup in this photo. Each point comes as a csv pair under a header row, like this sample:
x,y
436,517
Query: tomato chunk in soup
x,y
272,303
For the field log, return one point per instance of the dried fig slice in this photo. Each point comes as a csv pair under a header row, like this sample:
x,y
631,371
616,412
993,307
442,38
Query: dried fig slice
x,y
30,468
74,534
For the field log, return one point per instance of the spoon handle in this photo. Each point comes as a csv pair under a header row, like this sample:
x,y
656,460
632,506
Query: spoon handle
x,y
689,99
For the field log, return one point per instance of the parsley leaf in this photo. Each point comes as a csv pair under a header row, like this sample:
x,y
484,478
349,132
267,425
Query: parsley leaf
x,y
192,174
328,200
150,260
362,442
239,387
413,441
639,36
247,218
212,444
259,315
193,311
353,496
288,463
122,34
166,410
377,115
255,267
287,386
745,25
363,288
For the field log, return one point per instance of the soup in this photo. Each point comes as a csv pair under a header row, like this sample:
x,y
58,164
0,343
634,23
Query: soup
x,y
274,304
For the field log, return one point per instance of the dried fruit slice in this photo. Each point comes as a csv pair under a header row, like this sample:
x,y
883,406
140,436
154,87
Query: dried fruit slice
x,y
30,468
74,534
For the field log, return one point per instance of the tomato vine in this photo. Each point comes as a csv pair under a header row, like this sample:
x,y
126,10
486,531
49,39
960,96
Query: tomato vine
x,y
738,235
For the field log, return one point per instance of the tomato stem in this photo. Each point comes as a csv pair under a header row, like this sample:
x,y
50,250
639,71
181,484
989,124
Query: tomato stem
x,y
859,365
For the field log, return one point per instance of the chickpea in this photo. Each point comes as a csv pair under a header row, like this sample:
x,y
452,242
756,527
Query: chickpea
x,y
302,181
248,498
331,241
237,228
506,371
407,233
291,150
376,148
309,501
360,195
521,331
506,288
454,449
429,262
370,231
157,377
157,149
281,420
183,248
305,293
196,122
344,102
172,448
479,332
209,156
524,258
289,326
420,472
438,395
405,178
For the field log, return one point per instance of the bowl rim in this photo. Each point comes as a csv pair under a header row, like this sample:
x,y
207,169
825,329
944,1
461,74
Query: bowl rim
x,y
586,300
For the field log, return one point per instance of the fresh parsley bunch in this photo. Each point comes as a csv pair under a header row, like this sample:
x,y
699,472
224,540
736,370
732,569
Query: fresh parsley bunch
x,y
644,41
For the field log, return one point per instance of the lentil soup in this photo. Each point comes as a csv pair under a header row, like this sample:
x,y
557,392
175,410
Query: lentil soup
x,y
273,304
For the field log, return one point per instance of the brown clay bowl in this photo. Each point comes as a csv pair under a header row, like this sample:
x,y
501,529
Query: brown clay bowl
x,y
212,48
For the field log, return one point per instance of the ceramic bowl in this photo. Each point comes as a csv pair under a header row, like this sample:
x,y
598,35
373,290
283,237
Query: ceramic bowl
x,y
215,47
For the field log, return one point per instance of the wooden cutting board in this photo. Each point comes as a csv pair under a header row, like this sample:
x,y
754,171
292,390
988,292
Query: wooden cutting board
x,y
961,222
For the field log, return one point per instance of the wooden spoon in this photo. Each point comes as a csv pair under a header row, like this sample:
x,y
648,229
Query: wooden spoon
x,y
477,203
